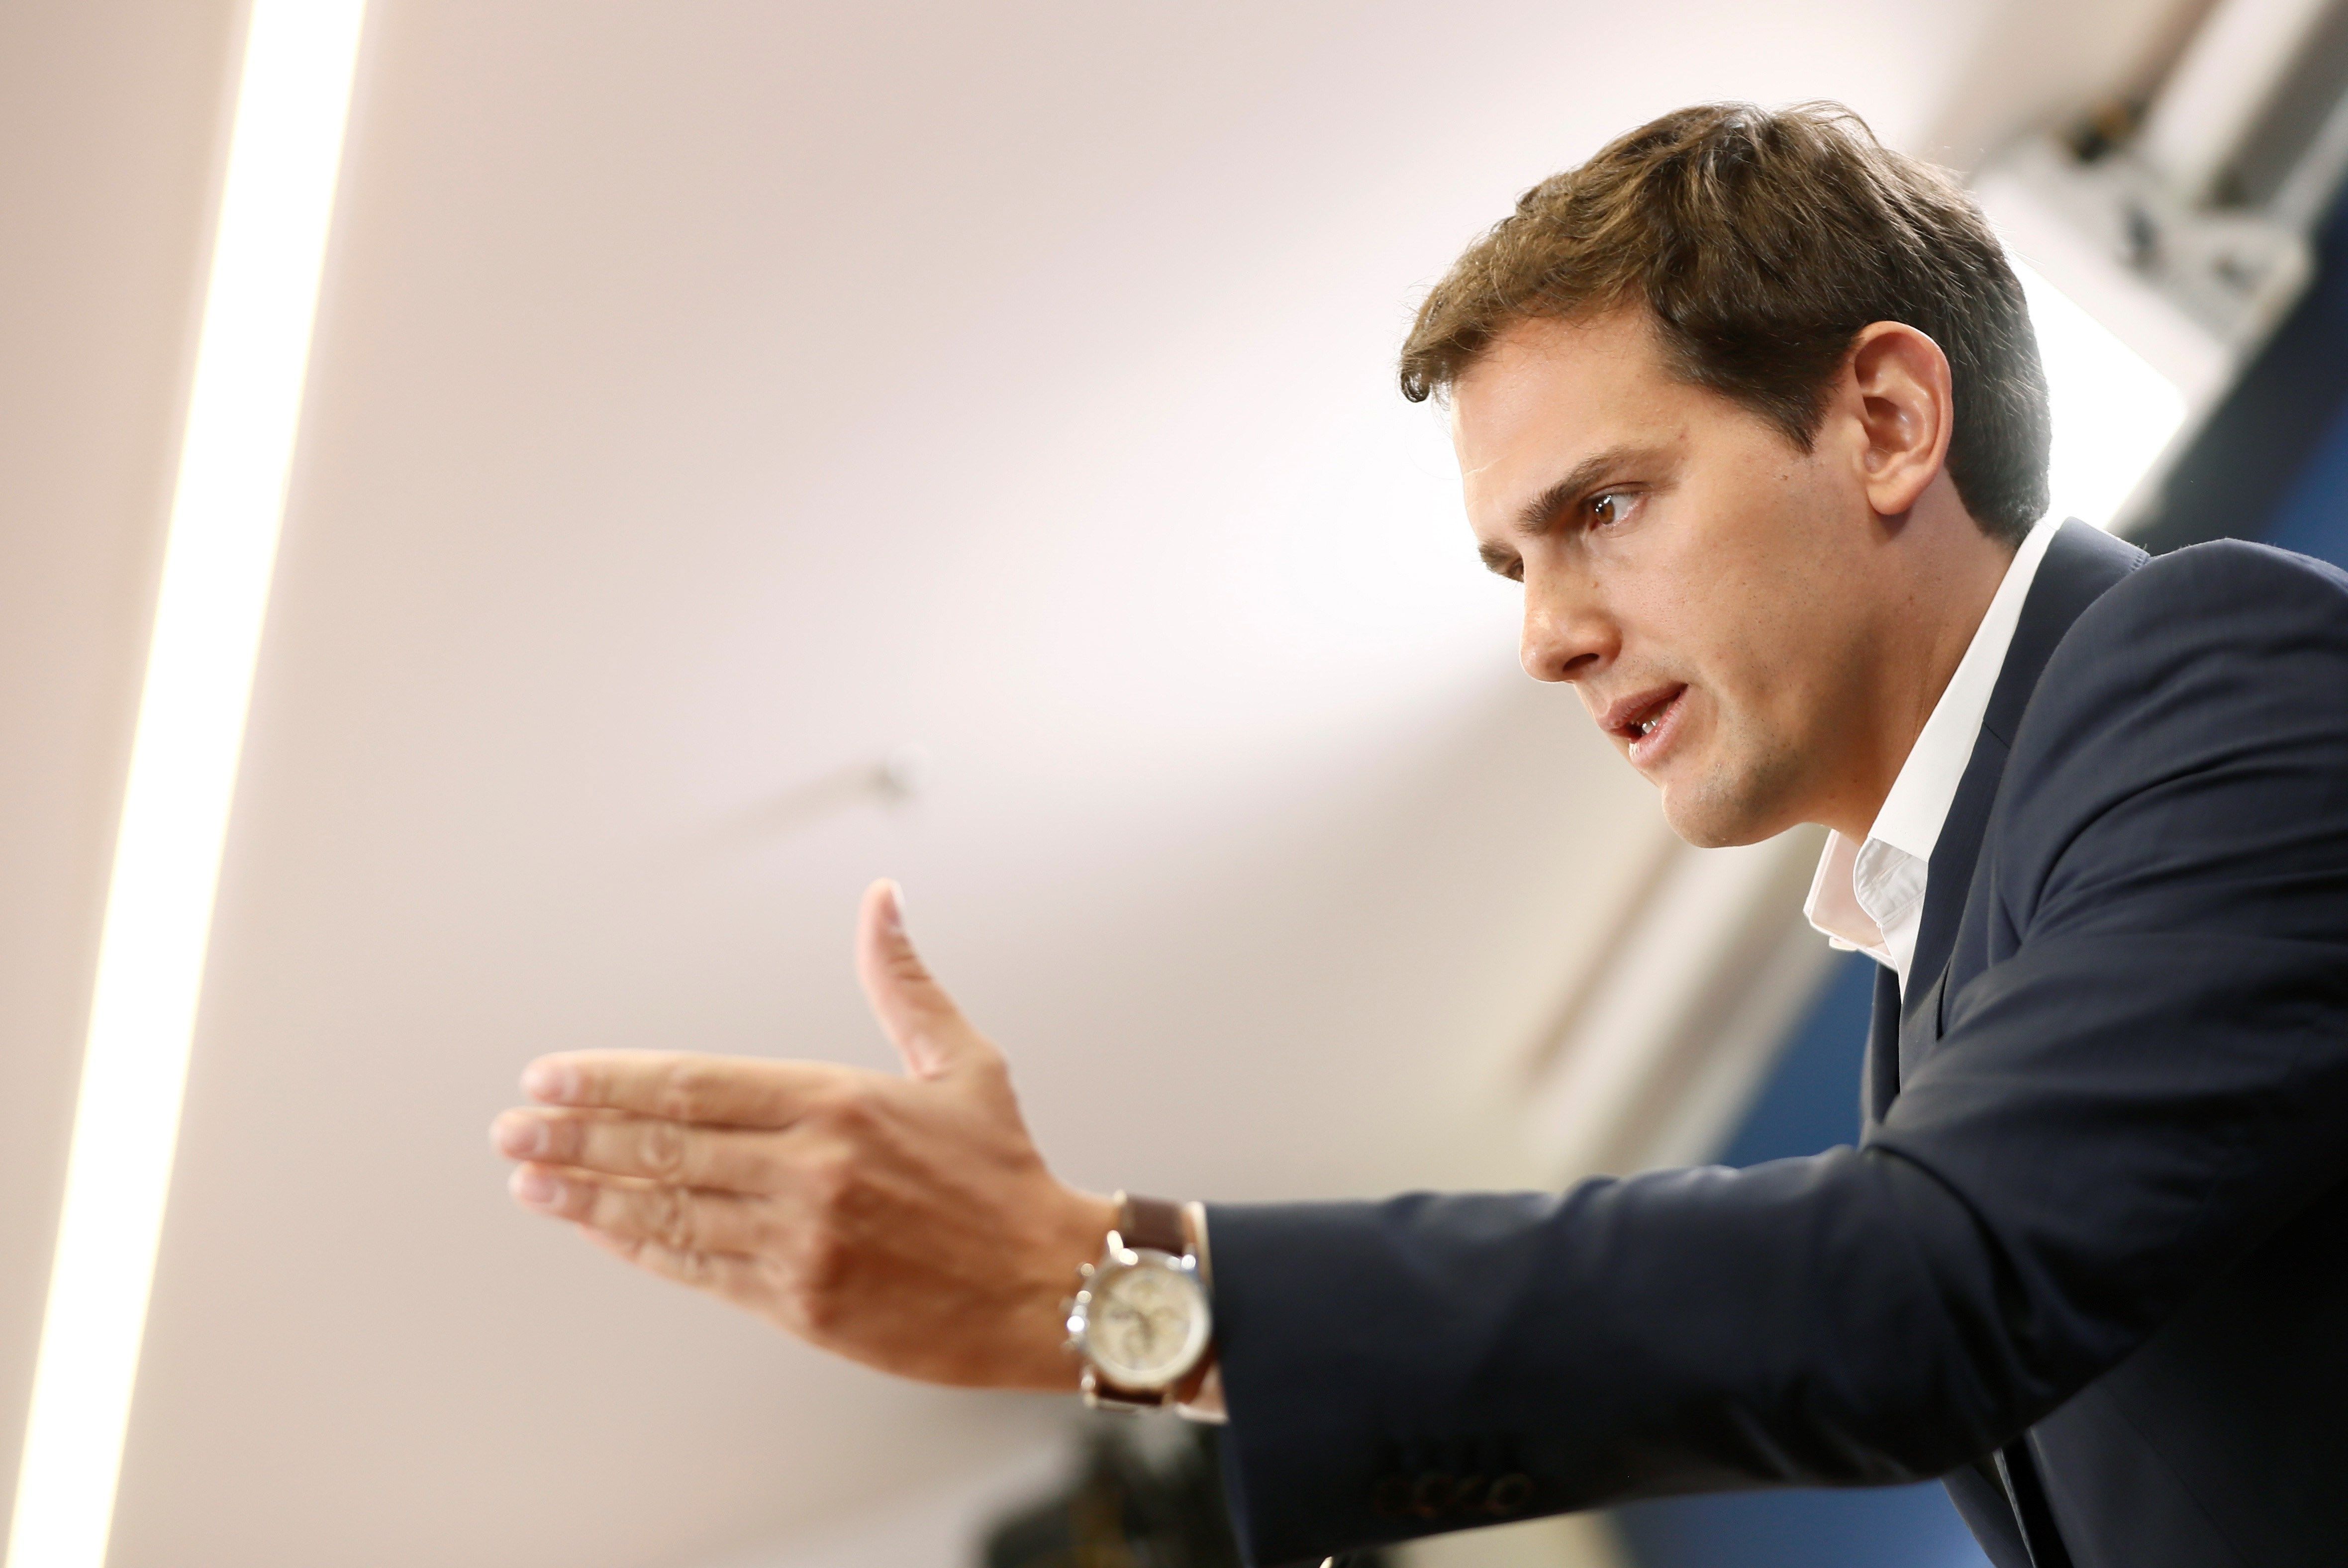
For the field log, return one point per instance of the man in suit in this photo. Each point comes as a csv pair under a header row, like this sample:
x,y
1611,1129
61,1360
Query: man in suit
x,y
1751,408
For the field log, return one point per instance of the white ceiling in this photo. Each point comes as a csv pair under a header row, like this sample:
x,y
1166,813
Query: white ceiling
x,y
709,398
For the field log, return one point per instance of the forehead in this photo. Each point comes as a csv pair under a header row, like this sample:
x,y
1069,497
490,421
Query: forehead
x,y
1549,394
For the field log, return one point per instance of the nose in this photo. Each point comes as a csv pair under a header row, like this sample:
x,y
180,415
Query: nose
x,y
1567,634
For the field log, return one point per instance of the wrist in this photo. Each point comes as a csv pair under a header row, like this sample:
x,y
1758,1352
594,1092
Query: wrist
x,y
1078,1231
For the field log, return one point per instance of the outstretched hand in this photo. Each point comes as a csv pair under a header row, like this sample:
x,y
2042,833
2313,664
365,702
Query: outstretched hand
x,y
907,1222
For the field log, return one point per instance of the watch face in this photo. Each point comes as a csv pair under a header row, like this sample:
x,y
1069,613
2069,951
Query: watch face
x,y
1147,1324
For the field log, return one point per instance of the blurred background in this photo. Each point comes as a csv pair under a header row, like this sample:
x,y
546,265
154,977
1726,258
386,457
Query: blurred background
x,y
752,448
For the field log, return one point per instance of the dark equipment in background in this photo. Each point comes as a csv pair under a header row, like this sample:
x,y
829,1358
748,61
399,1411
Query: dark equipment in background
x,y
1147,1493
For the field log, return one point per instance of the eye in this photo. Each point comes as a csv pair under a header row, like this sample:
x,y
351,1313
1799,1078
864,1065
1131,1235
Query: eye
x,y
1610,507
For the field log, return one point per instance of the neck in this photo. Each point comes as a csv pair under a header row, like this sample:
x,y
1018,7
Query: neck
x,y
1945,571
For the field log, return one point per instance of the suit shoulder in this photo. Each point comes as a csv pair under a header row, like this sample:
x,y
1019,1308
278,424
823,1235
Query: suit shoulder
x,y
2221,636
2189,732
2222,577
2226,600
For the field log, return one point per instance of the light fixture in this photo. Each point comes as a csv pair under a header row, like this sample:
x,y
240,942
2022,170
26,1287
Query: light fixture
x,y
292,100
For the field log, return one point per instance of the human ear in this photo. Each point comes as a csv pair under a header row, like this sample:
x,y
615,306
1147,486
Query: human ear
x,y
1899,387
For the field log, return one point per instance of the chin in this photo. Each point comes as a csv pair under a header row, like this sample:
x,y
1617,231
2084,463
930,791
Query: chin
x,y
1717,814
1705,835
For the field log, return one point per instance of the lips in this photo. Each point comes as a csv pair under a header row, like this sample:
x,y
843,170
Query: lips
x,y
1634,717
1648,724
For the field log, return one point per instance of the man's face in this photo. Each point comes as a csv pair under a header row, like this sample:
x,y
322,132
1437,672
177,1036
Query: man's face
x,y
1711,590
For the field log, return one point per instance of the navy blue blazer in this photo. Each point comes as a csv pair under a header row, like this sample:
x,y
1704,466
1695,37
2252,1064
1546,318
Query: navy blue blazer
x,y
2089,1261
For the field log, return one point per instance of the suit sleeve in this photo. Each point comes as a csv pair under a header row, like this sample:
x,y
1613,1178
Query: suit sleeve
x,y
2148,1076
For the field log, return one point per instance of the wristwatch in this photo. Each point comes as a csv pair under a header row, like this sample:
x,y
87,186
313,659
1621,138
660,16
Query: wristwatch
x,y
1140,1318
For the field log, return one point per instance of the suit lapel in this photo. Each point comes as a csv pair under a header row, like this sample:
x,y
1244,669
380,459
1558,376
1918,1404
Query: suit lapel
x,y
2081,563
1880,1081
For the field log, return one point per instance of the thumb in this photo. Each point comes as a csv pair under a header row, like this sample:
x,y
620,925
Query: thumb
x,y
914,1010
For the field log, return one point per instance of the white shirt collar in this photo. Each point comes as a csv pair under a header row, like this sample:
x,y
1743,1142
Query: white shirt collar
x,y
1870,896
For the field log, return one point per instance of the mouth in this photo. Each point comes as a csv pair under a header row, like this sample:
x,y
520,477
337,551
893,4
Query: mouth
x,y
1646,722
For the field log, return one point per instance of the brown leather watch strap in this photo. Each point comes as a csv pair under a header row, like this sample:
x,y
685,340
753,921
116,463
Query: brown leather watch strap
x,y
1151,1222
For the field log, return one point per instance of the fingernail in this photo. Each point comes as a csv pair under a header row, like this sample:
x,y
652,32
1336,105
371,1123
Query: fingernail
x,y
896,906
519,1134
550,1082
539,1189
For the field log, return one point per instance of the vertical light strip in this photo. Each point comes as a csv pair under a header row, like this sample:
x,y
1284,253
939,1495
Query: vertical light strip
x,y
2114,414
292,99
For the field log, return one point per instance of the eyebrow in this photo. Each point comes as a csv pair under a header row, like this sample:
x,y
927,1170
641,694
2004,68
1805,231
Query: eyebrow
x,y
1540,514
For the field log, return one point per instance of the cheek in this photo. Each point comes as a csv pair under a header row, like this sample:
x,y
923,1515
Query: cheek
x,y
1765,659
1747,615
1710,614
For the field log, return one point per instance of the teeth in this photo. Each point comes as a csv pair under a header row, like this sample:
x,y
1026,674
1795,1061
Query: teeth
x,y
1646,727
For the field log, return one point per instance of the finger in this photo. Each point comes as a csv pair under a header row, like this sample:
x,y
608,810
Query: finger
x,y
723,1274
914,1010
677,1217
614,1143
679,1086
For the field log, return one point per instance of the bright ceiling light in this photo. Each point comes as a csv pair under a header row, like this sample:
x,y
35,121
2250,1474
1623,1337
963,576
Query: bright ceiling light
x,y
2114,414
293,98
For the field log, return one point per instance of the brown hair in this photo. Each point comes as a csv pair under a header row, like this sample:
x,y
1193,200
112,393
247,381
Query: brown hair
x,y
1762,242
